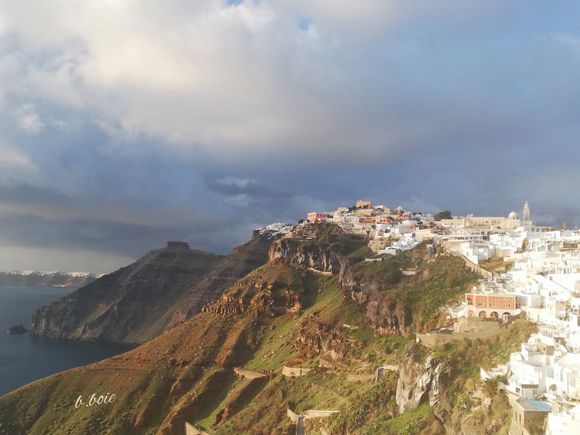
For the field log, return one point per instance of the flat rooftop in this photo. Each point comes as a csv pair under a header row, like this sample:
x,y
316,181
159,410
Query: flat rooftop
x,y
534,405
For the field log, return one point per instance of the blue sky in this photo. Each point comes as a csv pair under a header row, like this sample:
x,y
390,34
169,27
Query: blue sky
x,y
127,123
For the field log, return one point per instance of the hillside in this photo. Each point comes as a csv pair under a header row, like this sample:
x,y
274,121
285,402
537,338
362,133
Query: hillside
x,y
140,301
290,312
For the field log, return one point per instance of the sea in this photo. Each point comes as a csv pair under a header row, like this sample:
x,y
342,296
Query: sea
x,y
26,358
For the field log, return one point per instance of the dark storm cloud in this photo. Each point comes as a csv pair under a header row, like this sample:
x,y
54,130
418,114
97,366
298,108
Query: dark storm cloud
x,y
248,116
27,194
238,186
94,235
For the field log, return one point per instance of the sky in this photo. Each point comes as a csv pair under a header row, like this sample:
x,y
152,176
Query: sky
x,y
127,123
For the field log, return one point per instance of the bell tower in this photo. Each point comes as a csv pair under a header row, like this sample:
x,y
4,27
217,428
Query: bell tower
x,y
527,214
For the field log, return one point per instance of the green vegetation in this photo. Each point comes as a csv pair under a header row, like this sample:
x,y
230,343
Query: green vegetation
x,y
187,374
437,281
330,236
370,410
360,254
469,355
494,419
321,388
375,412
445,214
496,264
447,282
387,272
365,408
409,423
464,359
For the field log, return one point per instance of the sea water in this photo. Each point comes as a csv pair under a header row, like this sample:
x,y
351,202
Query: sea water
x,y
26,358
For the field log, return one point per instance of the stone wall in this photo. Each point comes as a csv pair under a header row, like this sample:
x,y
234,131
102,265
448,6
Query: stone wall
x,y
464,329
192,430
472,266
294,372
249,374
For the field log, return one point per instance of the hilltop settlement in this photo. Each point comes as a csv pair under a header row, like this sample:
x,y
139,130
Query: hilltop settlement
x,y
526,269
363,320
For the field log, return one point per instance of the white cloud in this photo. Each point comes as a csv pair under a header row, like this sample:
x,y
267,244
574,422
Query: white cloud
x,y
13,159
28,119
238,81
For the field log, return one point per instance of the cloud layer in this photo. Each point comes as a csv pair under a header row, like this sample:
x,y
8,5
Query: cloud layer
x,y
127,122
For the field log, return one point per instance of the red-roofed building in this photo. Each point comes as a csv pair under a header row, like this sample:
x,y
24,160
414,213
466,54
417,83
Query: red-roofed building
x,y
491,305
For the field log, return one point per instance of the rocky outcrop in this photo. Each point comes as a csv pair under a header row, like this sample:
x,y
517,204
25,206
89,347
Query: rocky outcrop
x,y
158,291
241,261
325,248
307,255
420,376
17,330
319,247
389,315
319,338
403,303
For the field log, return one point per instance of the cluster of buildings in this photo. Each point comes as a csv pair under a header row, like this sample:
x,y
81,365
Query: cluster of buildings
x,y
542,281
540,277
394,229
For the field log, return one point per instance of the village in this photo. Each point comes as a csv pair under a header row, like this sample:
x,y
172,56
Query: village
x,y
527,270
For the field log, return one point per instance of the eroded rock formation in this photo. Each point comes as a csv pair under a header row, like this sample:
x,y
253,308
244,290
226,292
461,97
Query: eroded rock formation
x,y
419,379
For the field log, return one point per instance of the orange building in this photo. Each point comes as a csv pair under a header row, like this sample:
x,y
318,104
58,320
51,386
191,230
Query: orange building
x,y
316,217
492,305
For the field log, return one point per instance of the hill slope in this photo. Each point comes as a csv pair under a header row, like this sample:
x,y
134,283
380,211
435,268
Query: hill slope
x,y
140,301
286,313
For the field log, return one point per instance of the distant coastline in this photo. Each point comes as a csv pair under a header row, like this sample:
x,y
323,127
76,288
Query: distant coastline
x,y
46,279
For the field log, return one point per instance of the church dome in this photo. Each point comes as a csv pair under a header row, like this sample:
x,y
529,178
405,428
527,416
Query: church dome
x,y
513,215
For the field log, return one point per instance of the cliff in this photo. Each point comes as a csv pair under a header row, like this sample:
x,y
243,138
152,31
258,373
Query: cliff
x,y
140,301
177,376
419,379
399,295
323,248
286,313
404,294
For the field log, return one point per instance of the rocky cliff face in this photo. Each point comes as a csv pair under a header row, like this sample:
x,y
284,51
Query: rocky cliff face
x,y
399,295
279,315
140,301
403,294
241,261
309,256
166,381
420,377
385,310
321,247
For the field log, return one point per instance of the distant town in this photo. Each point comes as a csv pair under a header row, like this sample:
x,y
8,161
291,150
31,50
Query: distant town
x,y
526,270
